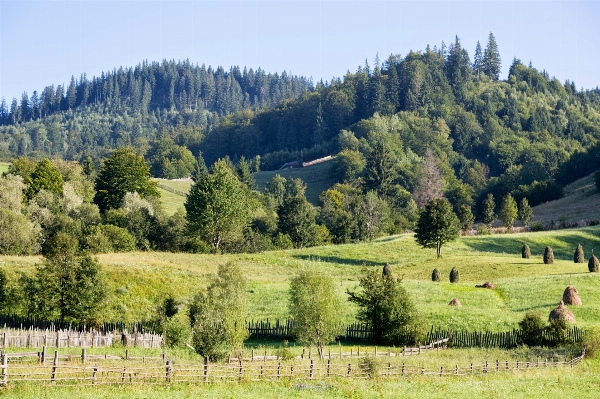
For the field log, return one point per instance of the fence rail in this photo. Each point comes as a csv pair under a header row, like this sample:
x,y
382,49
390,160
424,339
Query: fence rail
x,y
69,373
172,190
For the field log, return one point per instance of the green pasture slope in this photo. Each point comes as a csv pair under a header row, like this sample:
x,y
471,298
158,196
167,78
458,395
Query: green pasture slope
x,y
4,167
138,280
316,177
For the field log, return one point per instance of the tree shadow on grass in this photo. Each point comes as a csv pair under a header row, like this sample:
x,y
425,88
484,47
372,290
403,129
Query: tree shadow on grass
x,y
338,260
563,245
536,307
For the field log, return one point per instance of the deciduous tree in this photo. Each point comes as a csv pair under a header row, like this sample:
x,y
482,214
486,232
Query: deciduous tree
x,y
437,225
316,309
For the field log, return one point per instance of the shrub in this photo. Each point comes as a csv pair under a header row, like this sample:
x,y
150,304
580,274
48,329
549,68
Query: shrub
x,y
454,275
177,331
532,327
591,341
483,230
593,264
537,226
525,252
370,366
548,256
435,276
578,257
558,331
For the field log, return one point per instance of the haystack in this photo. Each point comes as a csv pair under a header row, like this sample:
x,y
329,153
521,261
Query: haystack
x,y
548,256
488,284
455,302
435,275
525,252
593,263
562,313
578,256
387,270
571,296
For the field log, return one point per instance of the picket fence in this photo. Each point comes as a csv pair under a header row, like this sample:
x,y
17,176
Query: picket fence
x,y
61,338
458,339
68,373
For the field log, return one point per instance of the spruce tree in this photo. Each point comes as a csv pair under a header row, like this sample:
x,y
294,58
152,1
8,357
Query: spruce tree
x,y
478,61
491,59
525,212
488,214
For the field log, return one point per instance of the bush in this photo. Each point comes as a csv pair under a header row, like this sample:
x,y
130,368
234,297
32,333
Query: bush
x,y
483,230
537,226
593,264
435,276
120,239
578,257
283,241
177,331
591,341
525,252
370,366
548,256
532,327
558,332
454,275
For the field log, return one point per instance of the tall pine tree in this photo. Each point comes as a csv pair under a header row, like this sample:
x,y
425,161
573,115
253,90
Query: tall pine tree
x,y
491,59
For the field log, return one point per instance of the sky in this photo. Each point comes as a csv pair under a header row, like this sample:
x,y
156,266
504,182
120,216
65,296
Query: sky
x,y
46,42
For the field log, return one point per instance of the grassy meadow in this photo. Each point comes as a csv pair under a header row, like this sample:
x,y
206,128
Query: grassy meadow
x,y
138,281
316,177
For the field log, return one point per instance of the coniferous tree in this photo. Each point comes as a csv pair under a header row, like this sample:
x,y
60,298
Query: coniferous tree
x,y
491,59
488,211
525,212
478,61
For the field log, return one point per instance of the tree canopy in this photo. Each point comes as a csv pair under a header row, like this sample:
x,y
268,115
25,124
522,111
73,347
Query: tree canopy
x,y
437,225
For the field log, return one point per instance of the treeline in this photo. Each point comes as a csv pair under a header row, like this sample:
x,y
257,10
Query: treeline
x,y
486,136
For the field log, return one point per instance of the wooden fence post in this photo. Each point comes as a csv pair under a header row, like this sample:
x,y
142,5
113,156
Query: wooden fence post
x,y
312,368
43,359
349,368
328,366
4,340
241,368
169,371
94,374
497,365
403,367
123,375
456,370
83,356
54,367
206,369
389,368
278,370
5,369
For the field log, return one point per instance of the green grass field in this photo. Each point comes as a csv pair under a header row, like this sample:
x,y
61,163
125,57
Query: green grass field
x,y
4,167
316,177
139,280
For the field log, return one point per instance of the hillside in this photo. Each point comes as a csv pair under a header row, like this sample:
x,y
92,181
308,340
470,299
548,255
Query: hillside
x,y
316,178
138,281
580,203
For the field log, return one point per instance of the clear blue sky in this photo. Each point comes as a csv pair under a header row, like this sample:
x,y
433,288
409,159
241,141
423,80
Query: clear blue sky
x,y
45,42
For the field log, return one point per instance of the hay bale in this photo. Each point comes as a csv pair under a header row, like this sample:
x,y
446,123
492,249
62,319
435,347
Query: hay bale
x,y
454,275
525,252
593,264
387,270
488,284
548,256
436,276
571,296
578,256
455,302
562,313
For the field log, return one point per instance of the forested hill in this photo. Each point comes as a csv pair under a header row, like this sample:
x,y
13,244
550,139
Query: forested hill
x,y
129,106
485,134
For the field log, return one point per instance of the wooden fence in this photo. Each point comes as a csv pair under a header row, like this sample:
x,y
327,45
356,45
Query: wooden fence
x,y
37,338
458,339
69,373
